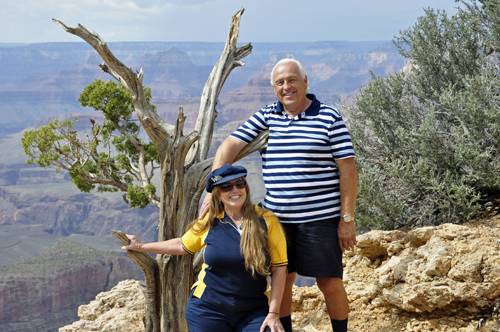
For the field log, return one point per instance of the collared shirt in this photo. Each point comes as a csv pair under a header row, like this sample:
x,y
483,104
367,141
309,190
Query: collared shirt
x,y
223,280
298,165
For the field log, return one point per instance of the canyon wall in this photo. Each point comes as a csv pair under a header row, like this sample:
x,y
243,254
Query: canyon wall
x,y
43,293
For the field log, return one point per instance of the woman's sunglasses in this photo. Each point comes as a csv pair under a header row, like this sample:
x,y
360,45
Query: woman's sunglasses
x,y
225,187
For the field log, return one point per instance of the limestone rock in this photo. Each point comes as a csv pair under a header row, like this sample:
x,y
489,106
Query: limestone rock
x,y
420,236
121,309
379,243
443,278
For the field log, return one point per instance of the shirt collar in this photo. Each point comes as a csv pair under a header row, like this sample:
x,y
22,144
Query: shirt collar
x,y
312,110
224,217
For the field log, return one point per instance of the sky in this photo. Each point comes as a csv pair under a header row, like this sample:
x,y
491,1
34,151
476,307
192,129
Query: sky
x,y
30,21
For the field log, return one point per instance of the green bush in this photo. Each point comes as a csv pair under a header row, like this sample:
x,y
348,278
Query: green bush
x,y
428,138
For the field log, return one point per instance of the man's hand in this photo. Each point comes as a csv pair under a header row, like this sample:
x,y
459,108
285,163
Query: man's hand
x,y
347,235
205,206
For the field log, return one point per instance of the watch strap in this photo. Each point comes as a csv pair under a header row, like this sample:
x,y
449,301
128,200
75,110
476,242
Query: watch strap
x,y
346,218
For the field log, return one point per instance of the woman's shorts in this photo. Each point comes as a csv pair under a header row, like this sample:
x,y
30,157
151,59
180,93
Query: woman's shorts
x,y
204,317
313,248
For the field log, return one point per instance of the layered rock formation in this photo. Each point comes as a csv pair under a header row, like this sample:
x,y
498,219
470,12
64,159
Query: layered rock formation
x,y
75,213
444,278
42,293
241,103
45,79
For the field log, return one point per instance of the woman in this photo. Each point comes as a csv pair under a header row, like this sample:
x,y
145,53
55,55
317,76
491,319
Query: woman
x,y
244,244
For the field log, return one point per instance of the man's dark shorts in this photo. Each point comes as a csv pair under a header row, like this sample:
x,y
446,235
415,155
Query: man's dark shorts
x,y
313,249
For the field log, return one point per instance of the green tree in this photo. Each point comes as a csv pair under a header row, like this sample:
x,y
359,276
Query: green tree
x,y
112,157
428,137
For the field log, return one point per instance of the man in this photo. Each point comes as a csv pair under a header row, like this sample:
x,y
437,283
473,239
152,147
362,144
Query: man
x,y
311,181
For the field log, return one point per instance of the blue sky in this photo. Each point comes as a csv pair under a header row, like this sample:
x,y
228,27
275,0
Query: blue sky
x,y
29,21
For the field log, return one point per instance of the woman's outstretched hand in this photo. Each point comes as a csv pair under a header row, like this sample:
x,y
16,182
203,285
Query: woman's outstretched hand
x,y
134,244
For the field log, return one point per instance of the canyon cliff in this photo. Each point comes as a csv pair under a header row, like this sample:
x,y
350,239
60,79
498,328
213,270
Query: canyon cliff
x,y
45,79
38,294
75,213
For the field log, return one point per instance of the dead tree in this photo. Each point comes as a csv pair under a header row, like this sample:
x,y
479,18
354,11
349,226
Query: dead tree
x,y
184,169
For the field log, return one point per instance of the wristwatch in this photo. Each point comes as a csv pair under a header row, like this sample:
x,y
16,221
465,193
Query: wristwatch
x,y
346,218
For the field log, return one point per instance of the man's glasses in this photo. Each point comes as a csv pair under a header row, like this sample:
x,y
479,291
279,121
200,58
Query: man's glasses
x,y
225,187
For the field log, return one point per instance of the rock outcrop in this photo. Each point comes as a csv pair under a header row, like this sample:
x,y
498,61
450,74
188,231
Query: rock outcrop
x,y
444,278
42,293
118,310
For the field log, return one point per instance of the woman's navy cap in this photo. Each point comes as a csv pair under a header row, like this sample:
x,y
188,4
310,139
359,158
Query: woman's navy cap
x,y
224,174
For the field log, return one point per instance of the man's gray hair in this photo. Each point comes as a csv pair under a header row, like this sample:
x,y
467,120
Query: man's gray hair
x,y
299,64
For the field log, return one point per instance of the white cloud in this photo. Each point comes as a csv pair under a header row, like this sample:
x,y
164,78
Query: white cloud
x,y
208,20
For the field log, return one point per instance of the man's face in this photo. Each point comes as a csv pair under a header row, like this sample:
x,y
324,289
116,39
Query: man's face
x,y
290,87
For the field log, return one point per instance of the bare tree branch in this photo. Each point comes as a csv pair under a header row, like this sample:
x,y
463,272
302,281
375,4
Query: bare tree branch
x,y
183,166
149,267
207,114
156,128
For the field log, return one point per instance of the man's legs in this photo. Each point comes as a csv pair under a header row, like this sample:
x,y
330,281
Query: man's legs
x,y
313,250
336,300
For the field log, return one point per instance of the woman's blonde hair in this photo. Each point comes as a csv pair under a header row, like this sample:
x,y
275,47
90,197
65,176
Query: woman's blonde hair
x,y
253,244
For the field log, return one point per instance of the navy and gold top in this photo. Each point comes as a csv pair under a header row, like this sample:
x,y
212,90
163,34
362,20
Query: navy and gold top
x,y
223,280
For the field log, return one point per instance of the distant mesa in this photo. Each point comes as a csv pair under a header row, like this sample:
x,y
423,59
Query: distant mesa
x,y
84,233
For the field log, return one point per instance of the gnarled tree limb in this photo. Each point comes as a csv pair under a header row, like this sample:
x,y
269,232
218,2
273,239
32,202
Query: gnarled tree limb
x,y
149,267
184,169
206,117
157,129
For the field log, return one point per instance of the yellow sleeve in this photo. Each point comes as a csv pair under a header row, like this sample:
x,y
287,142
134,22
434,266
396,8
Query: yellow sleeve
x,y
276,240
192,242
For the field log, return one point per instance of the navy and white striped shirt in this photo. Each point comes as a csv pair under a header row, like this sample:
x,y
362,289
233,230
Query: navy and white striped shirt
x,y
300,173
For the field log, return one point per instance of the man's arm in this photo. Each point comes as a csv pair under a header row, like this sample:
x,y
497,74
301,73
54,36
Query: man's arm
x,y
226,153
348,192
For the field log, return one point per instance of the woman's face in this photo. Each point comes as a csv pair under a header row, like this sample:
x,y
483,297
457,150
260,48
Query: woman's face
x,y
235,197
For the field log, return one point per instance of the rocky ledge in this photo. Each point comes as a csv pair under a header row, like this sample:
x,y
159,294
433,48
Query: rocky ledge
x,y
444,278
120,309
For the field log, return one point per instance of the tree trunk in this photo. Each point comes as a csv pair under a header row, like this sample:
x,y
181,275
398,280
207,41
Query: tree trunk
x,y
184,170
176,272
153,288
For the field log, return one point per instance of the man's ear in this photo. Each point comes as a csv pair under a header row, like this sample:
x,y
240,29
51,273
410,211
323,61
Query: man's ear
x,y
305,80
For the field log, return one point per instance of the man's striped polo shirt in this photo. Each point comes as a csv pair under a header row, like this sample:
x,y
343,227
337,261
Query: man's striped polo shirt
x,y
300,173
